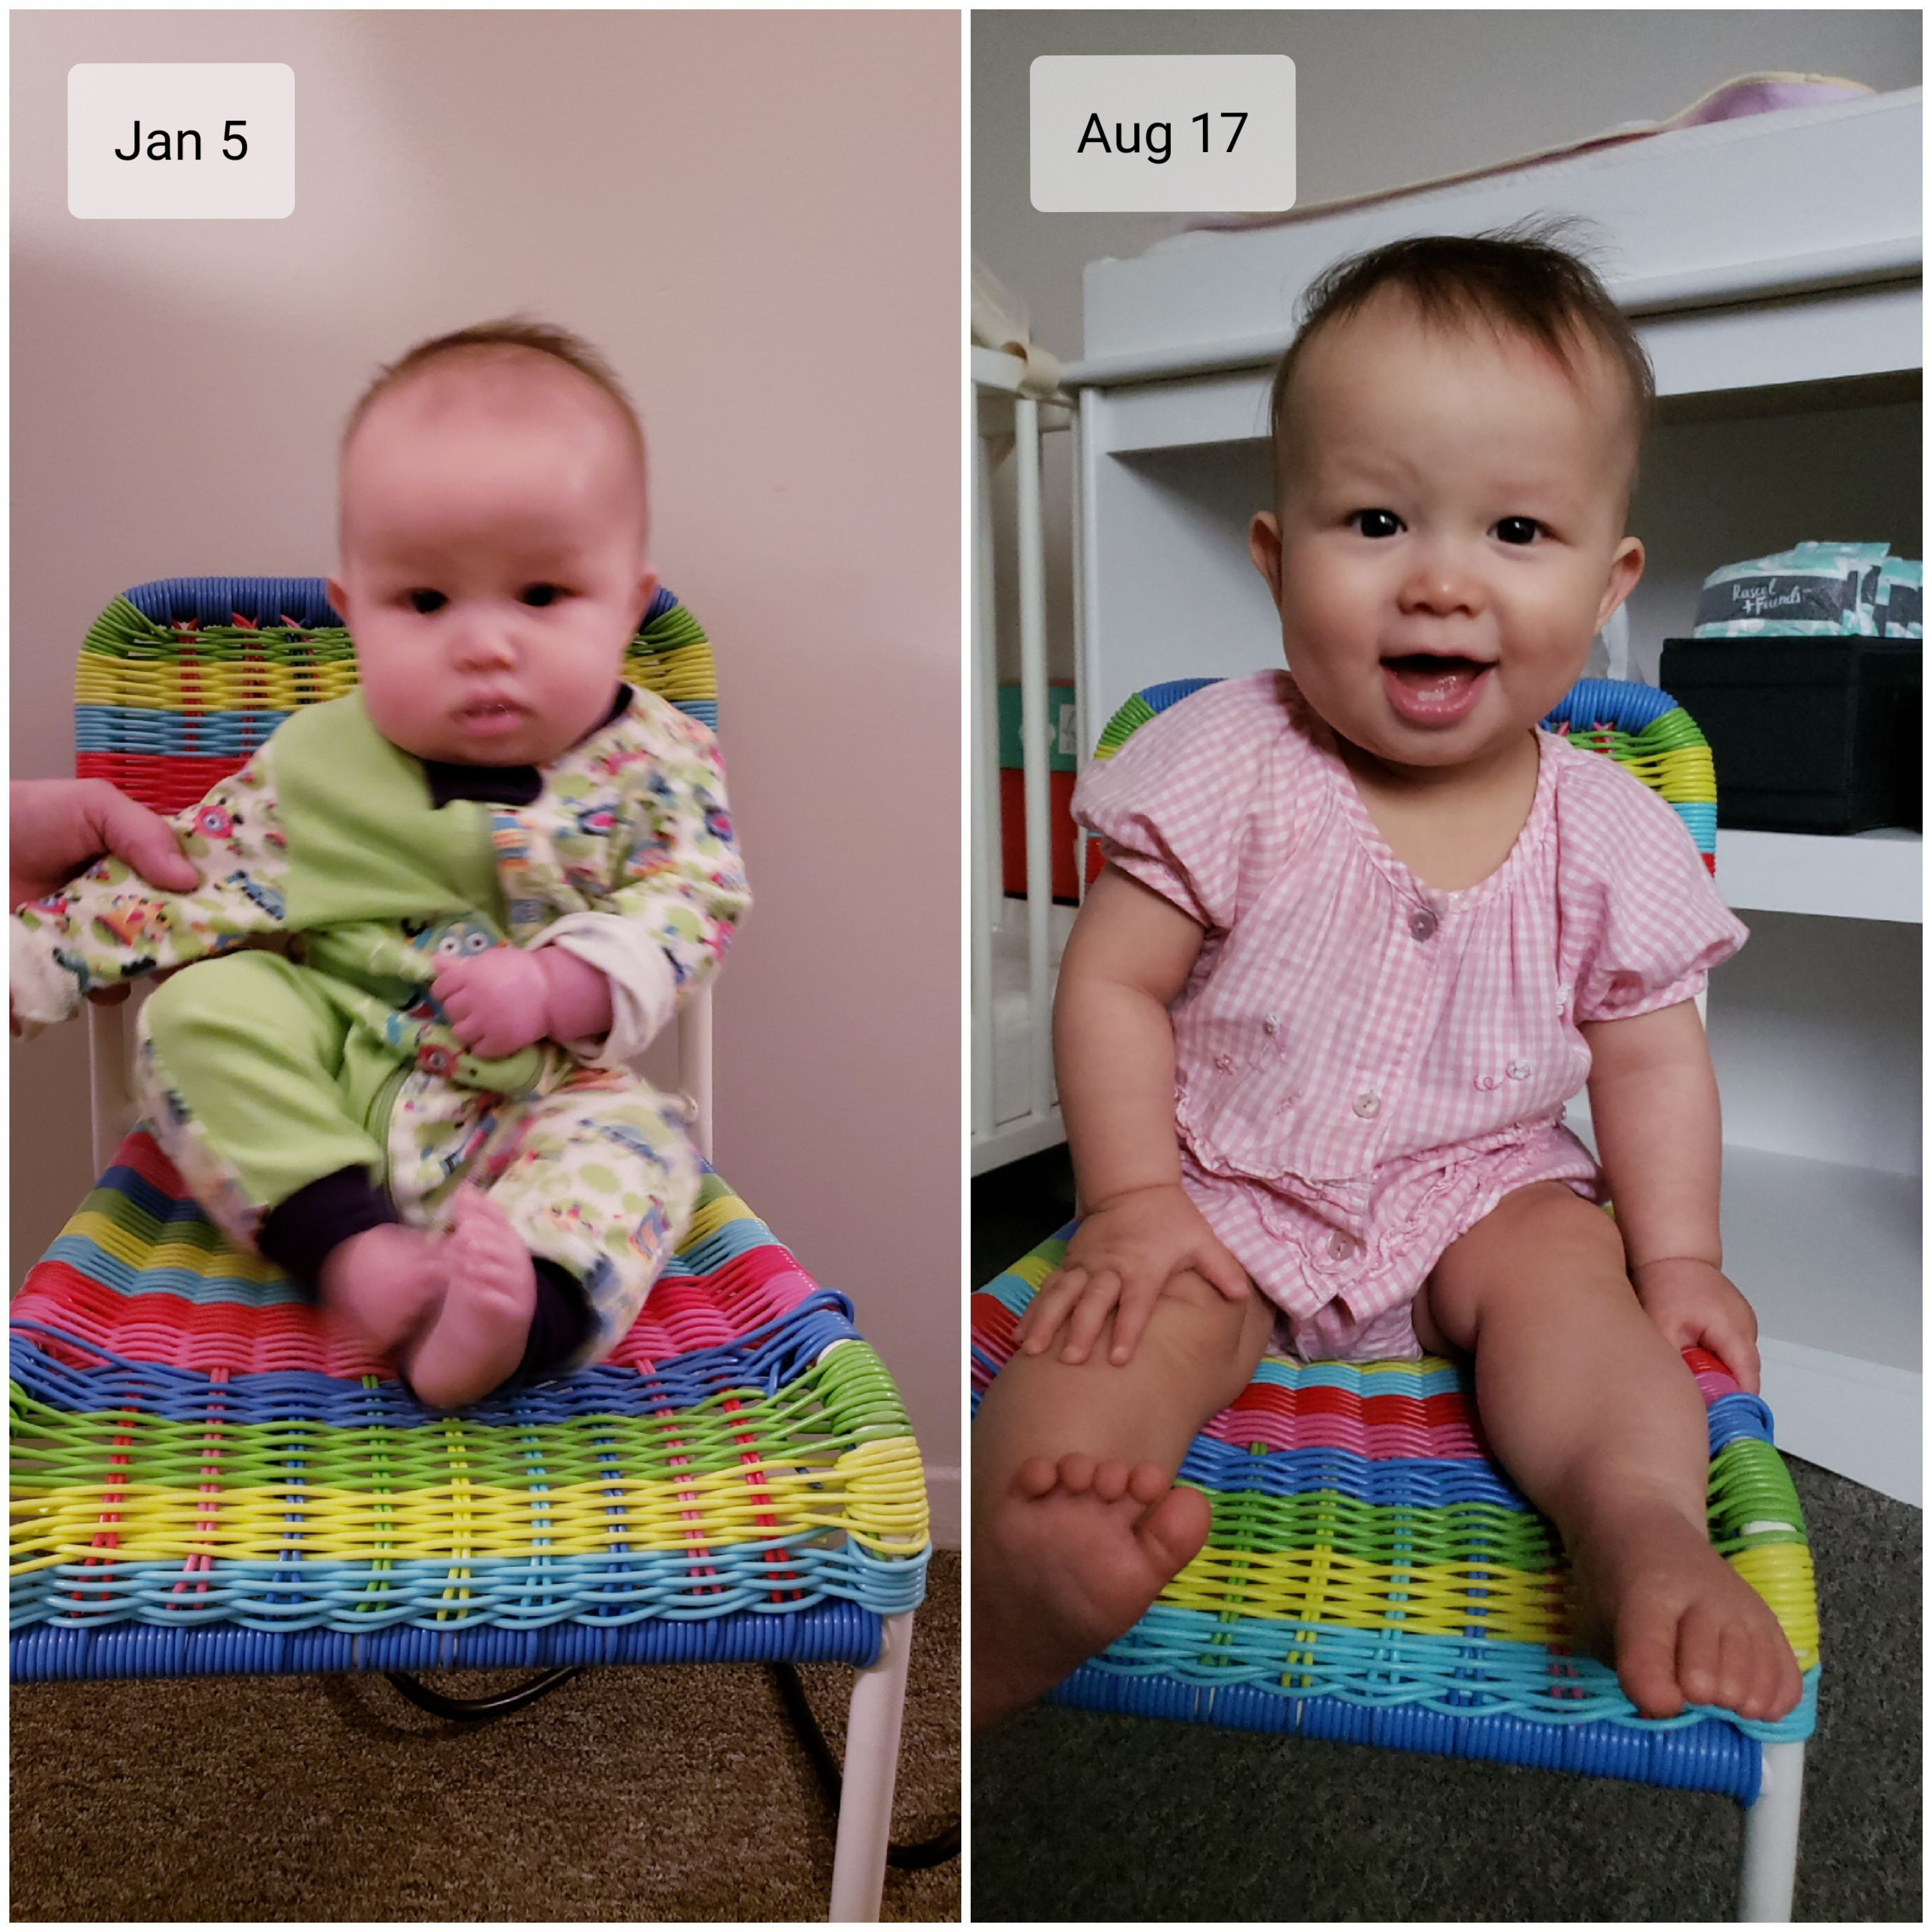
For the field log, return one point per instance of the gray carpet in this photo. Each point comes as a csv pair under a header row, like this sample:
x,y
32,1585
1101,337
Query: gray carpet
x,y
1078,1816
669,1794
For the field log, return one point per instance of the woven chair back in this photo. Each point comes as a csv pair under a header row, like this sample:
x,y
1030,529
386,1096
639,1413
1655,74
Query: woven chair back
x,y
181,681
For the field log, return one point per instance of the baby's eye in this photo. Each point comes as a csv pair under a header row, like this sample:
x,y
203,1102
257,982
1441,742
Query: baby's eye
x,y
1518,530
538,595
424,602
1376,522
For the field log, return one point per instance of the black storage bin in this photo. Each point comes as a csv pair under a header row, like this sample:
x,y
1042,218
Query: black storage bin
x,y
1808,734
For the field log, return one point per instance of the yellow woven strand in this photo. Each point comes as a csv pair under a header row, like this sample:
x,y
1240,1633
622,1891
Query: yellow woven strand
x,y
874,1491
1323,1586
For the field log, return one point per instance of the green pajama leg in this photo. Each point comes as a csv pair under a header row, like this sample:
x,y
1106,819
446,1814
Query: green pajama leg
x,y
256,1085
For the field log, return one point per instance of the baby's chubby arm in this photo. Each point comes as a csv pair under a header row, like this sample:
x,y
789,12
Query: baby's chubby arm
x,y
501,1001
1129,956
1654,1103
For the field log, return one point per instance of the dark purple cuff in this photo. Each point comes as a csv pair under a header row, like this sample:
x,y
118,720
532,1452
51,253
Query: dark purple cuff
x,y
560,1324
301,1232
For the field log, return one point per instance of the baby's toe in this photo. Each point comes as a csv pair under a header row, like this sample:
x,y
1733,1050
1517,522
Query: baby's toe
x,y
1647,1660
1701,1663
1147,1482
1777,1685
1110,1481
1076,1474
1037,1476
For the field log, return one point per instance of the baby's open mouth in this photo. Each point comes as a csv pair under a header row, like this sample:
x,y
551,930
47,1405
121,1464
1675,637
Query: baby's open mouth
x,y
1428,688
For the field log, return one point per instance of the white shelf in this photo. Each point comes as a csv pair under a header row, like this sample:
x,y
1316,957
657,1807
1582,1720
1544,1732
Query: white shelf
x,y
1829,1256
1869,875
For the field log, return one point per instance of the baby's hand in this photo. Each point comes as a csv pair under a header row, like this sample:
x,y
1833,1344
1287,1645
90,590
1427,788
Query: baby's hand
x,y
1122,1255
498,1002
1694,1305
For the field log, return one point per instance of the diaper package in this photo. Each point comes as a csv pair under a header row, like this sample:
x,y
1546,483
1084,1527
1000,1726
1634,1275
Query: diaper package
x,y
1815,590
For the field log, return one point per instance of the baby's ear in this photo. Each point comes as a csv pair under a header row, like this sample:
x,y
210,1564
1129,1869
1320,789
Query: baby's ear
x,y
338,599
647,589
1265,546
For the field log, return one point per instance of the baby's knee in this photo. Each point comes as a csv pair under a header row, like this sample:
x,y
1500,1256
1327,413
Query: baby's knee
x,y
209,997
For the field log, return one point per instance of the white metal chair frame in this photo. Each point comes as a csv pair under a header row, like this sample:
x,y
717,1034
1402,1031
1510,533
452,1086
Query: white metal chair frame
x,y
877,1708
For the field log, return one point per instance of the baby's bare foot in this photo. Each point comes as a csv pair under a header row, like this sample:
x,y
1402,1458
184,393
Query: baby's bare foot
x,y
478,1337
383,1285
1079,1550
1679,1623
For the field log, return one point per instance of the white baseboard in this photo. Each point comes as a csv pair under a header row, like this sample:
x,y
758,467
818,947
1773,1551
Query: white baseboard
x,y
1858,1419
942,1499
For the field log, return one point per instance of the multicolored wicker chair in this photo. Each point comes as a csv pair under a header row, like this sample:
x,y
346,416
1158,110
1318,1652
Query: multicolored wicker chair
x,y
206,1481
1372,1576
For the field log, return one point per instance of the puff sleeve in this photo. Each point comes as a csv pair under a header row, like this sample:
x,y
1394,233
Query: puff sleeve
x,y
1171,808
1639,905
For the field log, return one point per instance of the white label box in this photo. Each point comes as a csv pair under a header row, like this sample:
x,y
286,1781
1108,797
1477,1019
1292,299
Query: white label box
x,y
187,141
1162,133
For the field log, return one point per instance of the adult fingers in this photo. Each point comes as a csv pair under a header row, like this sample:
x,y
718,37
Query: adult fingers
x,y
147,842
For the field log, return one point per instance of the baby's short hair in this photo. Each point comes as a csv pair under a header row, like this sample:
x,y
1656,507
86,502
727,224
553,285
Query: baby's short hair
x,y
513,333
1517,279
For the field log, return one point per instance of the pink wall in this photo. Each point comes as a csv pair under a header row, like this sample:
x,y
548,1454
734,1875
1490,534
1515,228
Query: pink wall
x,y
757,217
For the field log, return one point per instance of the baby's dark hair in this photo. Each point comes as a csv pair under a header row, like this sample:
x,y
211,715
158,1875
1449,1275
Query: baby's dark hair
x,y
1517,279
514,332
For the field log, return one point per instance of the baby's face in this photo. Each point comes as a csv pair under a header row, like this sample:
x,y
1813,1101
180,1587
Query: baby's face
x,y
1450,533
492,561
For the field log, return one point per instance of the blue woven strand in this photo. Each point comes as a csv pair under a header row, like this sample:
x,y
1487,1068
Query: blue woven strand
x,y
827,1632
775,1576
1623,706
219,600
1708,1755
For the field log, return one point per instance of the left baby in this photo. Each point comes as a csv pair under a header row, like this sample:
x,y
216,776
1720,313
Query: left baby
x,y
438,917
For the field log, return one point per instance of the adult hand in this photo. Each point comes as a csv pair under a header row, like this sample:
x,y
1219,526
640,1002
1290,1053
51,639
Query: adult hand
x,y
59,826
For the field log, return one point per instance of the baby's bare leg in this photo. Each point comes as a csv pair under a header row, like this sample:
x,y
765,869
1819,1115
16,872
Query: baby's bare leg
x,y
1595,1415
1076,1524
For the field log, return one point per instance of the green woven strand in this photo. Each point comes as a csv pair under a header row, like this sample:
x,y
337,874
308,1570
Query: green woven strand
x,y
1450,1533
1749,1484
1122,726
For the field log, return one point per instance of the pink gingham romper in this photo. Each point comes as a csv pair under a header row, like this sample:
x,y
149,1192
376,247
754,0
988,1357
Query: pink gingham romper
x,y
1365,1066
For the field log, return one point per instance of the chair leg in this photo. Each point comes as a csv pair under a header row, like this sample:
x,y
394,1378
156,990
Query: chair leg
x,y
872,1766
1771,1839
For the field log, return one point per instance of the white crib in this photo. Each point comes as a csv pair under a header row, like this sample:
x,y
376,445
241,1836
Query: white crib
x,y
1015,951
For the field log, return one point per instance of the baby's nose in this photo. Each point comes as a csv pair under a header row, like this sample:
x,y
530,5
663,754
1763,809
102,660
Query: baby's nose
x,y
1443,586
485,641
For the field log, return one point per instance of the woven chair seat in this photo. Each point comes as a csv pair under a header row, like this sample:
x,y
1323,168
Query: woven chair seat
x,y
207,1480
1373,1576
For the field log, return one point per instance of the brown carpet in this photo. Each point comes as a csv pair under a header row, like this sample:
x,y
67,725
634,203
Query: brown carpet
x,y
666,1794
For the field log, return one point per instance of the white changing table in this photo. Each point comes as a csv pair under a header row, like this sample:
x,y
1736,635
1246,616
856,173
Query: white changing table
x,y
1774,266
